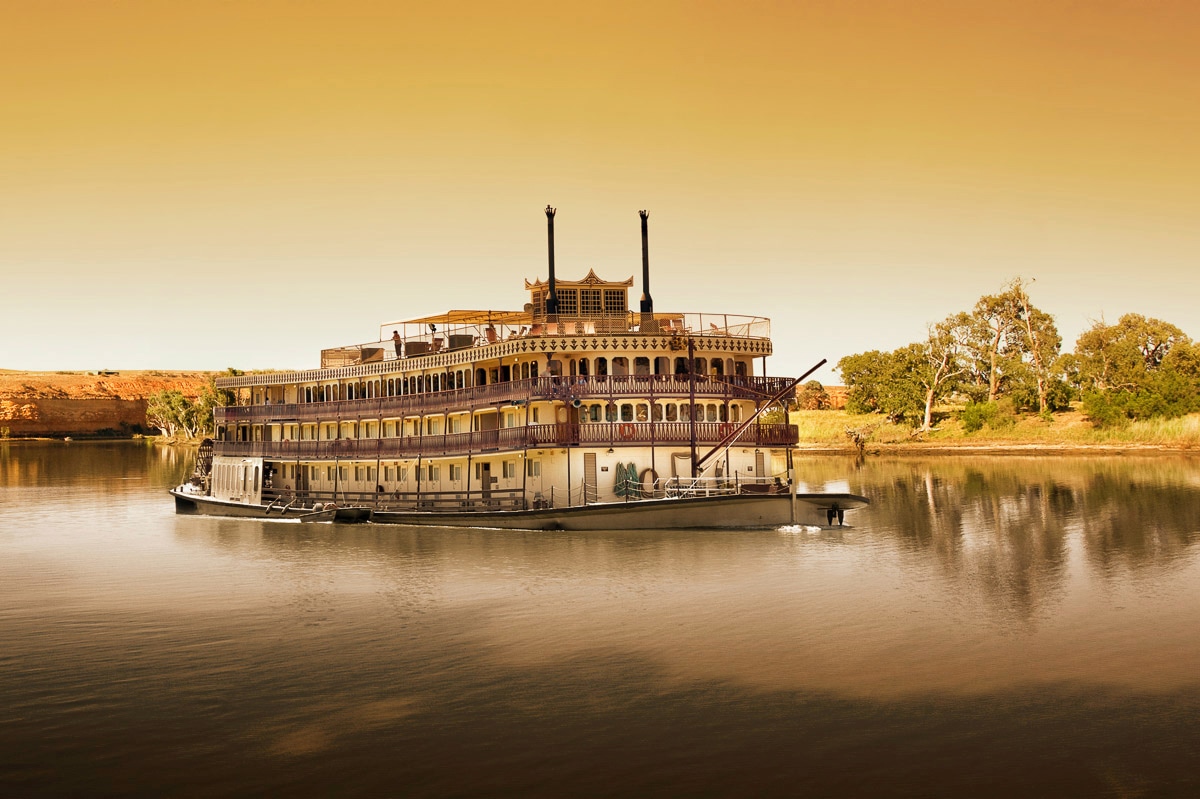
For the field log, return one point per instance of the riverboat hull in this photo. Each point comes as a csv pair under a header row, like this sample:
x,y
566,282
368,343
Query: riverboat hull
x,y
199,504
735,511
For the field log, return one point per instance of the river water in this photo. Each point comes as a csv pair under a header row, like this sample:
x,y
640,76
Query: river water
x,y
989,627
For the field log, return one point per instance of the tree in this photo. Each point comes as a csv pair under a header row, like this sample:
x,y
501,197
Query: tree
x,y
1138,368
170,412
993,338
943,363
812,397
885,382
1040,341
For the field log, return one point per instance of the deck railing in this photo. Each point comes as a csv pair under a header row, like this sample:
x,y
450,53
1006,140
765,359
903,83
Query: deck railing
x,y
591,434
566,389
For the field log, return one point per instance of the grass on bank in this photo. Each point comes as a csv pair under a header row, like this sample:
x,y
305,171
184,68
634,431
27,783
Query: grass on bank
x,y
1070,428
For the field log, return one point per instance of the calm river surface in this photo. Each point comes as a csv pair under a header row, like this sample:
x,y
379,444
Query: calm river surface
x,y
990,627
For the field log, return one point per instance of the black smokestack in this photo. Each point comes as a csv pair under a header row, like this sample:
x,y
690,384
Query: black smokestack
x,y
552,297
647,300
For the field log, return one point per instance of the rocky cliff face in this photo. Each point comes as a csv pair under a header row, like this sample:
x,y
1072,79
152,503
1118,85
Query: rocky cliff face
x,y
78,404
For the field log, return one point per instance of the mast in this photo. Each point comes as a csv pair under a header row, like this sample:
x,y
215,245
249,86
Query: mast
x,y
552,297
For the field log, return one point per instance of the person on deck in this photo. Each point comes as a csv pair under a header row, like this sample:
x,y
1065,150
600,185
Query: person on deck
x,y
398,343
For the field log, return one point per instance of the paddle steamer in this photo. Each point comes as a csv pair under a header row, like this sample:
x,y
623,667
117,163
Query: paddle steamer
x,y
575,412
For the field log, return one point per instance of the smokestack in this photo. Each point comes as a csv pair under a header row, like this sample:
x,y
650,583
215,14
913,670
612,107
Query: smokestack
x,y
552,297
647,300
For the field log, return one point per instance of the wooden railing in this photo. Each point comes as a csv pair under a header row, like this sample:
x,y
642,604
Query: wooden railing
x,y
566,389
593,434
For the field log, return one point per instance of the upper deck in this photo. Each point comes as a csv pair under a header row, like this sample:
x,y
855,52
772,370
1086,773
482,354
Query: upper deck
x,y
459,337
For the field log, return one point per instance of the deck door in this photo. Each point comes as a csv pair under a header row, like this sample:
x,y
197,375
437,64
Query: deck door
x,y
760,466
590,484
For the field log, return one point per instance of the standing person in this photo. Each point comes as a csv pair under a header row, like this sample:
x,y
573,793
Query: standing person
x,y
398,343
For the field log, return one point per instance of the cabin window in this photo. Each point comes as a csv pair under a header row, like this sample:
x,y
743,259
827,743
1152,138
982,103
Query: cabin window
x,y
698,412
525,371
685,413
533,370
643,412
641,366
456,472
620,365
344,474
595,413
568,302
314,473
533,468
657,412
614,301
681,366
435,473
590,302
735,413
723,410
662,365
402,474
329,473
626,412
610,412
358,474
535,415
712,412
480,377
433,427
493,376
510,470
672,413
701,366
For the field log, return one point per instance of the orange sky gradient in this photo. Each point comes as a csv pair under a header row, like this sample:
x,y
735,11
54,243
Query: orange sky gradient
x,y
202,185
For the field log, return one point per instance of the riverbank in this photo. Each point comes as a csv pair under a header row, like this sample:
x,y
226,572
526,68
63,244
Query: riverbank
x,y
1068,432
103,404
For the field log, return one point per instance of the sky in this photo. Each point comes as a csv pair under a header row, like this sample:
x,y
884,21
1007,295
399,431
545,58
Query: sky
x,y
214,184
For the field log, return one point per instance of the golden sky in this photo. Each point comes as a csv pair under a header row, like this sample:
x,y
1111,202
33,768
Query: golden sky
x,y
211,184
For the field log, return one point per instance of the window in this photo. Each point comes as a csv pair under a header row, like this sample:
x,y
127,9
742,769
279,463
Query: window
x,y
590,303
510,469
620,365
533,468
614,301
610,412
641,366
370,474
602,367
568,302
435,473
685,413
657,412
456,472
672,413
735,413
313,473
626,412
329,473
344,474
643,412
535,415
358,474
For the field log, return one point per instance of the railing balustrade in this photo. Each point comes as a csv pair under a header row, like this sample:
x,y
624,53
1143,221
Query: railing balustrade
x,y
612,434
583,387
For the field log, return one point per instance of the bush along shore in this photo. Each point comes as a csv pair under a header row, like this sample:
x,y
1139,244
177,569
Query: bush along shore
x,y
1066,431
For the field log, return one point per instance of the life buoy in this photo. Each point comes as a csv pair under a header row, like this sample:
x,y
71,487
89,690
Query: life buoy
x,y
626,430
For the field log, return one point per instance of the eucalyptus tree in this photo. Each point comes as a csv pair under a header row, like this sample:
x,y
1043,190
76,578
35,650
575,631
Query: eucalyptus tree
x,y
1138,368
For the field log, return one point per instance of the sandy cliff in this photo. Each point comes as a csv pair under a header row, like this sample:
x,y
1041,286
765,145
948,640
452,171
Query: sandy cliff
x,y
80,404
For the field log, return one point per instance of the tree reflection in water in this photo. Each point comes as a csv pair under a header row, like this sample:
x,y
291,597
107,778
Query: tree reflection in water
x,y
1010,524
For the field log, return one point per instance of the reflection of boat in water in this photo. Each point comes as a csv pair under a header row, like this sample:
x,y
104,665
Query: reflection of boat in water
x,y
573,413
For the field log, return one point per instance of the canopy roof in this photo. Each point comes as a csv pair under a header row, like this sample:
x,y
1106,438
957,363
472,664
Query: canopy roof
x,y
472,318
